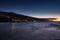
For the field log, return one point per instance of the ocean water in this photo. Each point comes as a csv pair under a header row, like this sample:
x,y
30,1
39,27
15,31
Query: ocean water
x,y
29,31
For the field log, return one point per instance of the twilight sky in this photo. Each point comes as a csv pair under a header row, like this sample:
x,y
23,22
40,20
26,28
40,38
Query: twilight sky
x,y
34,8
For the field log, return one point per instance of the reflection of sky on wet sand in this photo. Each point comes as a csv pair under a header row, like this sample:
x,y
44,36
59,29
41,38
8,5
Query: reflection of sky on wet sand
x,y
32,31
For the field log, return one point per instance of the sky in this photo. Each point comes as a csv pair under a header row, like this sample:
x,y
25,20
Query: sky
x,y
34,8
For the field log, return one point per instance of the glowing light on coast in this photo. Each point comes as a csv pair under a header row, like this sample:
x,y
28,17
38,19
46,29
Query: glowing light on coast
x,y
57,19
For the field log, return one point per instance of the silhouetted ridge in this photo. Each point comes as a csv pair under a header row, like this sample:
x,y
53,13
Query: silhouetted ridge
x,y
13,14
10,16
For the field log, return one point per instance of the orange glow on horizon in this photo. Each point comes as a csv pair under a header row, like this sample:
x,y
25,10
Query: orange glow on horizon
x,y
57,19
47,16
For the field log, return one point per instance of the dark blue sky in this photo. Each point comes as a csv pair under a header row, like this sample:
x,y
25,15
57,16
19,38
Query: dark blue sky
x,y
35,8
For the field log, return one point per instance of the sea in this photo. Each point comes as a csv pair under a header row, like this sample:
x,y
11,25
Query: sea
x,y
29,31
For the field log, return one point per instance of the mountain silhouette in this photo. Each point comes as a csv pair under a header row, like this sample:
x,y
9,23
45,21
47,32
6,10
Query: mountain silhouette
x,y
10,16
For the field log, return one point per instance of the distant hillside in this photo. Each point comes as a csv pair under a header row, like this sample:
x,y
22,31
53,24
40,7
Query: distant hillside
x,y
13,14
10,16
